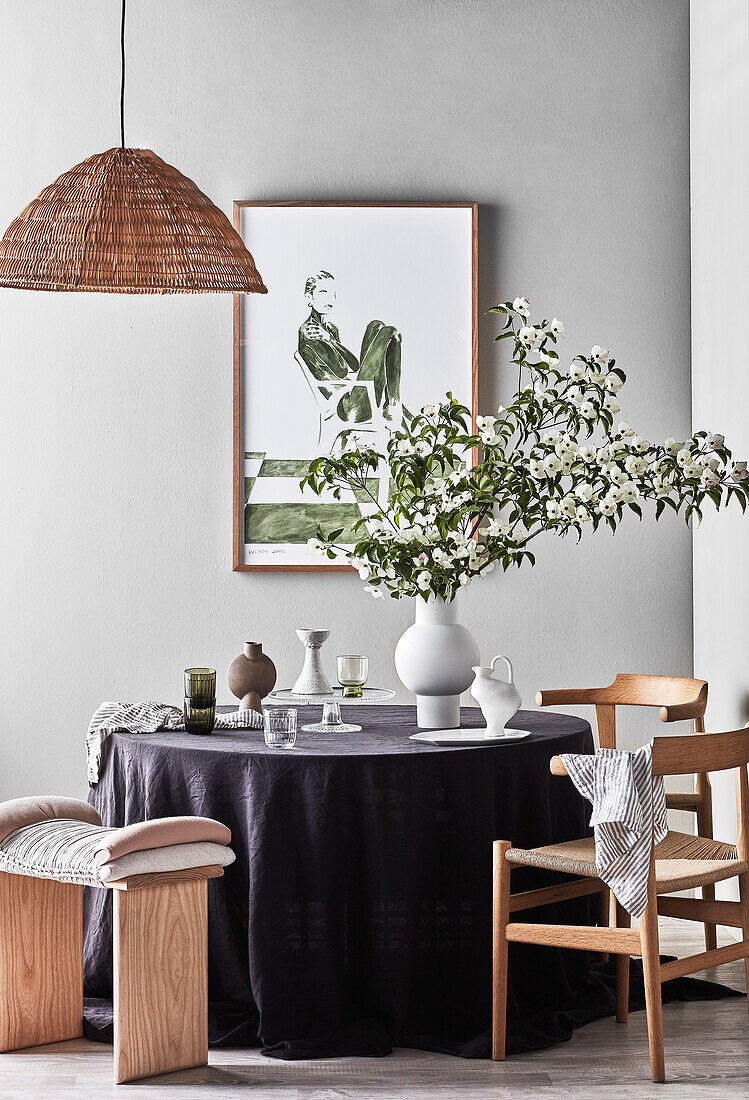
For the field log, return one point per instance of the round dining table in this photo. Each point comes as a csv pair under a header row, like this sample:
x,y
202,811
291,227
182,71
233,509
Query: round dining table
x,y
357,916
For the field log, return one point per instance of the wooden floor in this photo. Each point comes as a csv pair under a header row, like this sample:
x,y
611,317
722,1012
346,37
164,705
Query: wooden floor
x,y
707,1054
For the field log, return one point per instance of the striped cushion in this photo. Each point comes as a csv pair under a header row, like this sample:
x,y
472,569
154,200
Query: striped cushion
x,y
64,850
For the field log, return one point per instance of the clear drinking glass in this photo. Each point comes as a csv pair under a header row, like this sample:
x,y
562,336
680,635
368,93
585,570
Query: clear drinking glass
x,y
279,727
200,699
353,670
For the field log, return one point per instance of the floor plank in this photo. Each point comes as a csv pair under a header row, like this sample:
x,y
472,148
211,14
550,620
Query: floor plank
x,y
707,1056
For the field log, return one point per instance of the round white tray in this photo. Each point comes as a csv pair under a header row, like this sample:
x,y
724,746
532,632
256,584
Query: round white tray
x,y
467,737
369,696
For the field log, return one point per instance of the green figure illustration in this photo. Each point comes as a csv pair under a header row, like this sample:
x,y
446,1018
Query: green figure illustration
x,y
327,360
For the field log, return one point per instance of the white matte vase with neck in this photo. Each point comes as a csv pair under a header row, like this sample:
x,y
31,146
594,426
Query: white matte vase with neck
x,y
434,659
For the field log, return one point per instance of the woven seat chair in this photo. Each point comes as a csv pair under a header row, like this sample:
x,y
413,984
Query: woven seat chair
x,y
678,698
158,871
680,862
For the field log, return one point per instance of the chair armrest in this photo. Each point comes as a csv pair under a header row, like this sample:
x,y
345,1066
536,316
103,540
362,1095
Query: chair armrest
x,y
564,696
348,384
680,712
556,767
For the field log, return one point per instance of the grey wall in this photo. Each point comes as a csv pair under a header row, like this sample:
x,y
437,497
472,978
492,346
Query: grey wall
x,y
566,119
720,266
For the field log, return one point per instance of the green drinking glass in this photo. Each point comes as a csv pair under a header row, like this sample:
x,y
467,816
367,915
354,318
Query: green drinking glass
x,y
353,670
200,699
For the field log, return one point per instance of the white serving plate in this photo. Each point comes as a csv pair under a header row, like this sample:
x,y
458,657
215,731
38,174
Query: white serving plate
x,y
467,737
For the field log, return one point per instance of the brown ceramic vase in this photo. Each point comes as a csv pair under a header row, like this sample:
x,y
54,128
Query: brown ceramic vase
x,y
251,676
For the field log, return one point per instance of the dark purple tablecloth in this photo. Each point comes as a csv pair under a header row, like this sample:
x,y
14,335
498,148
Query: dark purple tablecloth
x,y
358,914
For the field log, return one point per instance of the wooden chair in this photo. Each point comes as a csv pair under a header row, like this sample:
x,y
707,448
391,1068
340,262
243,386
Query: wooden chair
x,y
679,698
680,862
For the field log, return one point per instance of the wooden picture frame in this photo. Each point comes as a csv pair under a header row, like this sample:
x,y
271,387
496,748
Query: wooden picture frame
x,y
467,394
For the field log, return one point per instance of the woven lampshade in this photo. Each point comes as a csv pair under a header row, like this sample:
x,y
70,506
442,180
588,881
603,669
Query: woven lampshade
x,y
125,222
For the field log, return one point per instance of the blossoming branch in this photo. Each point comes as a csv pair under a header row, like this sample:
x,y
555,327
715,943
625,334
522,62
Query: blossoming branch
x,y
465,499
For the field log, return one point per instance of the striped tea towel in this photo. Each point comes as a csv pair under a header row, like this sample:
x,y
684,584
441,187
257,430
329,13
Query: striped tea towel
x,y
147,718
625,799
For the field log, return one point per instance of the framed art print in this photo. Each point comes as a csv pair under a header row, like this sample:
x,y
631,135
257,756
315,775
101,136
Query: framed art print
x,y
371,313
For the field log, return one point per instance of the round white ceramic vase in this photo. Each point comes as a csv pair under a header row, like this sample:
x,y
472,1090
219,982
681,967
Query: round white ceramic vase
x,y
434,659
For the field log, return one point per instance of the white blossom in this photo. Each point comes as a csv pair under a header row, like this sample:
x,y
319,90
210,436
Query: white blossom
x,y
522,306
496,527
557,326
671,447
577,369
485,422
599,354
424,580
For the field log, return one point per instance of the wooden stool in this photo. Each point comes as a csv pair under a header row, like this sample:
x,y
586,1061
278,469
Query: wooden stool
x,y
160,924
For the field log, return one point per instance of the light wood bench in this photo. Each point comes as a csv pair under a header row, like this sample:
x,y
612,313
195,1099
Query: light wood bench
x,y
160,934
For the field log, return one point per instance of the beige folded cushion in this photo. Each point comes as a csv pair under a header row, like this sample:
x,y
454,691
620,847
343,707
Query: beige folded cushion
x,y
20,812
174,857
160,833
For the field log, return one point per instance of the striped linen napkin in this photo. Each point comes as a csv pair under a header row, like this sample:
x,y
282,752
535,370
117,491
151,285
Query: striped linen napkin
x,y
147,718
625,799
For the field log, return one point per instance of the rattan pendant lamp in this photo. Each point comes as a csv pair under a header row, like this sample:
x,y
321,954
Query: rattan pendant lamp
x,y
125,222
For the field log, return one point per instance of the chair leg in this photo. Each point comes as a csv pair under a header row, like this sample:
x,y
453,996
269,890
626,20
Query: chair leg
x,y
500,917
705,828
41,961
744,896
623,920
160,979
604,916
651,965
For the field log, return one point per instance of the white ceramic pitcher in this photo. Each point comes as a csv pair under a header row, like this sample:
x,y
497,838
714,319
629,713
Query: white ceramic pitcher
x,y
498,699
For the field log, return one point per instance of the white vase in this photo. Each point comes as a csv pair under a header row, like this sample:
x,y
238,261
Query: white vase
x,y
434,659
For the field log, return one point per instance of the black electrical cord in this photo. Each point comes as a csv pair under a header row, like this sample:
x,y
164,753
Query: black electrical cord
x,y
122,84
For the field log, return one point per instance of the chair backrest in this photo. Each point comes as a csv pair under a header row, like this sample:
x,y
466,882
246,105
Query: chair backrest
x,y
321,401
710,752
706,752
677,697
